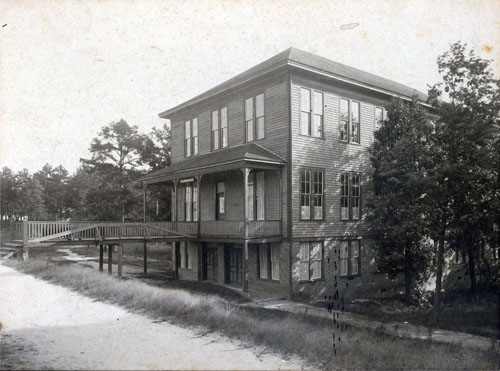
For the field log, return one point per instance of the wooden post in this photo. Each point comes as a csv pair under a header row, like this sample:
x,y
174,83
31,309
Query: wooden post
x,y
120,259
198,217
144,201
246,172
145,256
280,201
245,266
174,214
25,249
110,259
174,259
101,257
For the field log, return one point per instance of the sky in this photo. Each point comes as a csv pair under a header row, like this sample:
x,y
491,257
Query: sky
x,y
68,68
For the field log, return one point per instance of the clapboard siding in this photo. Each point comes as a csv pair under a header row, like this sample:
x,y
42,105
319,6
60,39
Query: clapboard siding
x,y
331,155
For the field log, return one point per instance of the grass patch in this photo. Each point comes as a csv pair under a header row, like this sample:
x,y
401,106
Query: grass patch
x,y
458,313
287,333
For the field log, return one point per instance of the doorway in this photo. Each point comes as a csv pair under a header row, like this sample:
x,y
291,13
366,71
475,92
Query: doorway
x,y
233,262
210,263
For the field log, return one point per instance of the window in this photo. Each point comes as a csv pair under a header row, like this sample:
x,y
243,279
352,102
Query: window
x,y
311,261
268,264
350,196
311,194
350,262
254,118
311,120
275,262
185,259
349,121
191,202
256,193
219,129
379,117
191,137
263,261
220,207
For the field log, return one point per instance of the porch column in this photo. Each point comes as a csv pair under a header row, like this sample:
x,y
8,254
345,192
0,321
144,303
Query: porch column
x,y
246,172
120,259
174,213
145,256
110,259
144,189
101,257
280,176
198,218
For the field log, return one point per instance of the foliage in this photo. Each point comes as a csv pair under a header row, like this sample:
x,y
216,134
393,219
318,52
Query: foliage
x,y
466,165
400,159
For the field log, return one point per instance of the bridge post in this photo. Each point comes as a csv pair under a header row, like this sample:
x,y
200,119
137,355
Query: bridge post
x,y
145,256
110,259
101,257
120,259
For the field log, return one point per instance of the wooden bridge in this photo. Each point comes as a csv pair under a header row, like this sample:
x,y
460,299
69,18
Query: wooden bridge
x,y
29,234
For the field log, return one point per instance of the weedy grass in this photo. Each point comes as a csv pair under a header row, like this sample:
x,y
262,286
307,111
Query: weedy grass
x,y
311,338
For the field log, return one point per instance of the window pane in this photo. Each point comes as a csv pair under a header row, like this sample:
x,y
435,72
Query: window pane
x,y
355,111
316,270
344,110
221,204
215,139
187,129
187,144
223,117
259,105
304,123
220,187
250,130
305,100
249,109
344,267
318,103
344,249
195,127
263,260
344,127
317,126
260,128
224,137
316,250
304,271
215,120
304,251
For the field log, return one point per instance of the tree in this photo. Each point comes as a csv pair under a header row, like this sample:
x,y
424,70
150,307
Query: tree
x,y
117,159
400,159
54,184
466,167
7,193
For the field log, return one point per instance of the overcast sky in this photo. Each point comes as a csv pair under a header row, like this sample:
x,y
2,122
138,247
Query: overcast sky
x,y
67,68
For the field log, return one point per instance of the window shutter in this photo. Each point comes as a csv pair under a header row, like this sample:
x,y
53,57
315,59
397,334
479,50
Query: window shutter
x,y
304,261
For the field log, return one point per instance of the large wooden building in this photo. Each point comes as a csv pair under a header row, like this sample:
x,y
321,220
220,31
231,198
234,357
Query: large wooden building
x,y
267,178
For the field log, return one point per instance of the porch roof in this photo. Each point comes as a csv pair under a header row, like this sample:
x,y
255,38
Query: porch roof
x,y
245,155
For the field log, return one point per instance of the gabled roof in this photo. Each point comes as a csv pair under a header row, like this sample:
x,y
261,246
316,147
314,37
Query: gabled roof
x,y
304,60
225,159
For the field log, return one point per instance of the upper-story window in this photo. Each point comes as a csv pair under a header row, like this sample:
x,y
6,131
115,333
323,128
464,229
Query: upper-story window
x,y
255,193
311,194
350,196
219,129
191,202
349,121
379,117
255,125
311,113
191,137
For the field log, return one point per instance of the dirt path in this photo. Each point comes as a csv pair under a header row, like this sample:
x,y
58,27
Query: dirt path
x,y
47,326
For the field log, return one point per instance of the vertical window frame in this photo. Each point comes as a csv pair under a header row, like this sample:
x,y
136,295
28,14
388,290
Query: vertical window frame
x,y
311,112
350,195
307,191
349,258
346,132
306,261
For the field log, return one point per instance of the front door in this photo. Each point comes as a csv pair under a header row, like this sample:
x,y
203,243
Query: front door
x,y
210,265
234,265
